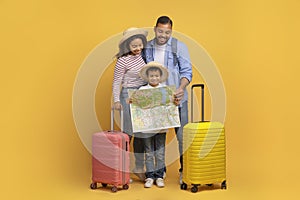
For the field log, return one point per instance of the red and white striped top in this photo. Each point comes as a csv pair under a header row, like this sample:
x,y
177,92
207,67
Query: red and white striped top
x,y
126,74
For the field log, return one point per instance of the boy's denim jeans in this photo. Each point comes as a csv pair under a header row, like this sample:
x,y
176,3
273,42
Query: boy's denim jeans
x,y
155,154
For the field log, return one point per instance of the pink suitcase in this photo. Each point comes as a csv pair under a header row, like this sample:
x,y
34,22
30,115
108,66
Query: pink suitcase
x,y
110,158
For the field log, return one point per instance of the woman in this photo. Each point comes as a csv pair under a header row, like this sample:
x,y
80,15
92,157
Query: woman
x,y
126,76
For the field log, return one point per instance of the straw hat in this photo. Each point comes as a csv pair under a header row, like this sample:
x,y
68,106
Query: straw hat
x,y
143,72
131,32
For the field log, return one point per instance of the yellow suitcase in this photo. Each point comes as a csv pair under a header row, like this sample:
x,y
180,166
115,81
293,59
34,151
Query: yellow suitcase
x,y
204,160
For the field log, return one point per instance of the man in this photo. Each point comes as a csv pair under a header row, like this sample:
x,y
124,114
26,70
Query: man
x,y
161,49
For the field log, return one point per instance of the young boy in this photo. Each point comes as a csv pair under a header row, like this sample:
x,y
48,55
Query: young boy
x,y
154,73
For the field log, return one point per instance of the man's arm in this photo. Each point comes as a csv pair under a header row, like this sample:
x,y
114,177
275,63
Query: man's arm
x,y
180,91
185,70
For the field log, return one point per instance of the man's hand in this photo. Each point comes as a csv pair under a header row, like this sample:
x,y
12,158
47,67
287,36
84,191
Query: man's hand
x,y
179,94
180,91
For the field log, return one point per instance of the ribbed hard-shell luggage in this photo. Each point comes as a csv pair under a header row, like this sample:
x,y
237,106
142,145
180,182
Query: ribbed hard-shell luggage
x,y
204,161
110,158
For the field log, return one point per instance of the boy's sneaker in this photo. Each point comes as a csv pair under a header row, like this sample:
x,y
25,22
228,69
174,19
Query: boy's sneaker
x,y
148,183
160,182
180,178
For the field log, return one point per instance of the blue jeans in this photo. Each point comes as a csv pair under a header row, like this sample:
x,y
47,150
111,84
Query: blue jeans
x,y
183,113
155,154
127,127
138,142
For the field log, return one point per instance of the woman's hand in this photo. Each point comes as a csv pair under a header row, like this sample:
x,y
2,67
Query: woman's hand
x,y
117,105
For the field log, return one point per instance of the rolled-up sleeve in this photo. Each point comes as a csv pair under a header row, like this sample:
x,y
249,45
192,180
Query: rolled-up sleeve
x,y
185,66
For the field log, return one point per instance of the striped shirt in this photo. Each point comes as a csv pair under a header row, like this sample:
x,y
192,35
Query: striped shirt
x,y
126,74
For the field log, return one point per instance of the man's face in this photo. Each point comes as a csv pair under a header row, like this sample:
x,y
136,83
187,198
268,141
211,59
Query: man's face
x,y
163,33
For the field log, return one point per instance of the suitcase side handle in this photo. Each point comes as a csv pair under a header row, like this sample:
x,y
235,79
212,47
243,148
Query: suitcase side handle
x,y
112,114
202,101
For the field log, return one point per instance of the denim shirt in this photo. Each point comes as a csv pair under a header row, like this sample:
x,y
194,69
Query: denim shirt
x,y
183,68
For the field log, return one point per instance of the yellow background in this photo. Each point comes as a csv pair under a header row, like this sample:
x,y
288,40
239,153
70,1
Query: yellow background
x,y
255,45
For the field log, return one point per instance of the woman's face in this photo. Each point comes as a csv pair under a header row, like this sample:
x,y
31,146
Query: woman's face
x,y
136,46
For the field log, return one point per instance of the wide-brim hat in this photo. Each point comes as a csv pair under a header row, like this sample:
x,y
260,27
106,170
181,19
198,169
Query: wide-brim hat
x,y
131,32
164,75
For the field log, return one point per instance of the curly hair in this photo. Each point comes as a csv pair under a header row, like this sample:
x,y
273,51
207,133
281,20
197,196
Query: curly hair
x,y
124,48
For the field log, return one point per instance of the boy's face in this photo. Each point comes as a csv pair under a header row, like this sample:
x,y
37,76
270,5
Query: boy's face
x,y
154,77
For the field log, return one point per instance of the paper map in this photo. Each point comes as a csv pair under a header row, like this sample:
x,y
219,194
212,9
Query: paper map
x,y
153,109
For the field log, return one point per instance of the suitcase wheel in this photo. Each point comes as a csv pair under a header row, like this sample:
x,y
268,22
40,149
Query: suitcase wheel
x,y
183,186
114,189
93,186
104,184
194,189
125,187
224,185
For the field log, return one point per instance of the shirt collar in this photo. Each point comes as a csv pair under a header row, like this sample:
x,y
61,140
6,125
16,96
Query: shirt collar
x,y
152,42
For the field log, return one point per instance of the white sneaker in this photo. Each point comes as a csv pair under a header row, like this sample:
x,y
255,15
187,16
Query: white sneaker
x,y
148,183
160,182
180,178
165,175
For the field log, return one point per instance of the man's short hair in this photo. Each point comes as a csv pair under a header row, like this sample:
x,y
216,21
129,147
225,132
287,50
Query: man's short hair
x,y
164,20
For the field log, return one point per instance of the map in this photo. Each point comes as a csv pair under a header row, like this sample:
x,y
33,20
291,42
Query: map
x,y
153,109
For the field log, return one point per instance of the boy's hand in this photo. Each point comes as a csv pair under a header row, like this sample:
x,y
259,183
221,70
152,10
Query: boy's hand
x,y
176,101
129,101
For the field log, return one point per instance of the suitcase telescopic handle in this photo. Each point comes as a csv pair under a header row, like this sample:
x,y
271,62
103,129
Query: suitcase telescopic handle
x,y
202,101
112,114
